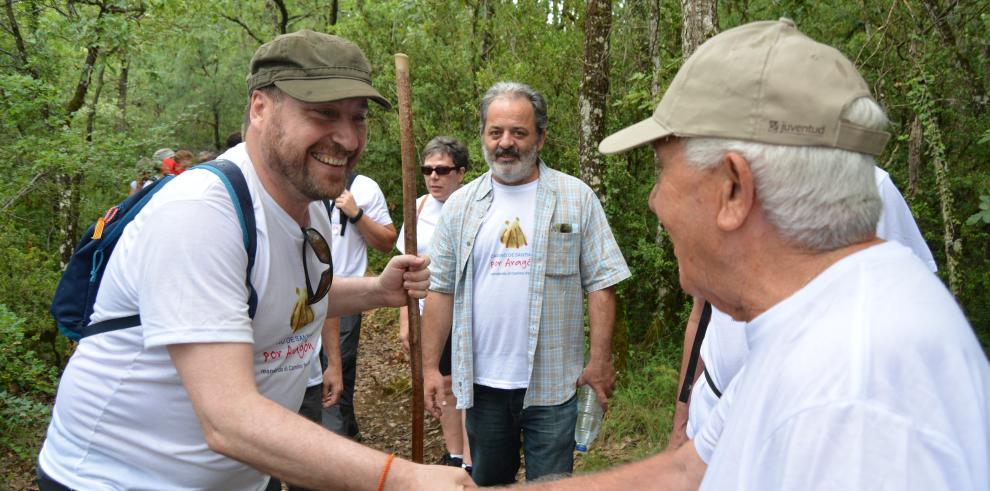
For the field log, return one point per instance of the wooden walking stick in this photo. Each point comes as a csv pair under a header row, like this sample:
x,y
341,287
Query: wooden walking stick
x,y
404,91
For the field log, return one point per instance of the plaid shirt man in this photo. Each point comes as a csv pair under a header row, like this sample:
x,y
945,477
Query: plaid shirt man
x,y
574,253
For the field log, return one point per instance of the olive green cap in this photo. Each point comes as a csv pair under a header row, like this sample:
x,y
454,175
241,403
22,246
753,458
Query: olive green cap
x,y
765,82
313,67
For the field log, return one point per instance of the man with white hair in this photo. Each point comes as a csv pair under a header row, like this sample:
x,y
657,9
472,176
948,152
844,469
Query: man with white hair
x,y
862,371
723,347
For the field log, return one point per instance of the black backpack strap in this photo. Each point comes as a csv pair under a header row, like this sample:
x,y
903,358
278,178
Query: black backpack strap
x,y
711,383
351,176
236,185
112,325
699,336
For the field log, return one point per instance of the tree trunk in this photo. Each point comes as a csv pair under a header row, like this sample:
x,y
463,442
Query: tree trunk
x,y
700,23
216,126
951,243
68,213
940,19
79,97
280,15
334,9
915,147
97,90
125,67
594,92
15,31
656,61
924,107
487,10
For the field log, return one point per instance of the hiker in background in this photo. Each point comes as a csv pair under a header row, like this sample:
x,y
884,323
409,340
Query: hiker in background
x,y
205,156
233,139
514,255
183,161
359,218
165,158
203,393
146,173
445,160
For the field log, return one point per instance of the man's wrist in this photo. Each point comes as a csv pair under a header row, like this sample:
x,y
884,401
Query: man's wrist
x,y
357,216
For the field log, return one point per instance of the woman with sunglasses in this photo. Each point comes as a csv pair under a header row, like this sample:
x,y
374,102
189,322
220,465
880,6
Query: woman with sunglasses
x,y
445,161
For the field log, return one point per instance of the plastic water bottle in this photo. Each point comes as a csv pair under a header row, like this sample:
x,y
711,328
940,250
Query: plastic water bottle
x,y
589,418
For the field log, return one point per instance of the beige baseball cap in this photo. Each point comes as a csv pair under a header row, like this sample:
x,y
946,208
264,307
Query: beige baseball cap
x,y
313,67
765,82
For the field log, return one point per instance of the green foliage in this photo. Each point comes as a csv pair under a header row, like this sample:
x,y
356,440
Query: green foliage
x,y
22,425
186,62
23,371
983,215
639,415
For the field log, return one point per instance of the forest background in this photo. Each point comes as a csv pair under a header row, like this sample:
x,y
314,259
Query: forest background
x,y
87,87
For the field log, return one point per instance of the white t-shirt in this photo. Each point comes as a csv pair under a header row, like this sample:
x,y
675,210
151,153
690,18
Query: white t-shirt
x,y
122,418
502,258
426,222
724,348
869,377
350,252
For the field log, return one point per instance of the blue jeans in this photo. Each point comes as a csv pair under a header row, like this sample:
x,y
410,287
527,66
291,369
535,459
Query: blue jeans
x,y
497,421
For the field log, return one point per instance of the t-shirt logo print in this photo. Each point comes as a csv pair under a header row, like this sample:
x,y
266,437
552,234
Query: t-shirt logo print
x,y
302,313
513,236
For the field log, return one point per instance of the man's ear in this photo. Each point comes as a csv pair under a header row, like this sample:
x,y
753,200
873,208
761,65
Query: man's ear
x,y
260,107
737,192
543,139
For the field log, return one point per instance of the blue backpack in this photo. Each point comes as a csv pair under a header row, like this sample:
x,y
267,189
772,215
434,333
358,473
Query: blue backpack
x,y
75,295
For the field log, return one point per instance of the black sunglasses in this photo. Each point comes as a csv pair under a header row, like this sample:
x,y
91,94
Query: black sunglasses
x,y
441,170
322,250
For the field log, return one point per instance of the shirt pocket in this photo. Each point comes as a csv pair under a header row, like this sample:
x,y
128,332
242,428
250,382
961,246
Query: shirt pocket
x,y
563,253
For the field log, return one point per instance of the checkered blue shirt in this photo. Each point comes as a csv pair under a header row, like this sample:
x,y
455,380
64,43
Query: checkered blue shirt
x,y
574,253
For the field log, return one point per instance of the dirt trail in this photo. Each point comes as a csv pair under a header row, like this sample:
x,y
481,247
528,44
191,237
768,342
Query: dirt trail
x,y
383,393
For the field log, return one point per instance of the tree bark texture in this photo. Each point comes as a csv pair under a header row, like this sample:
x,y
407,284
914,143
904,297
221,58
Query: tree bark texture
x,y
280,16
594,92
700,23
125,67
487,10
97,90
15,31
656,60
68,214
945,31
935,146
215,124
916,145
334,9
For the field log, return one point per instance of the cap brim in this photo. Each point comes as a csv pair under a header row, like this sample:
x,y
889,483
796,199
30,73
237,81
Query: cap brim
x,y
331,89
634,136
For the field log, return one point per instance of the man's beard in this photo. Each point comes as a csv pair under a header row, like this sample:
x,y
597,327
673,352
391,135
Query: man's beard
x,y
292,165
514,172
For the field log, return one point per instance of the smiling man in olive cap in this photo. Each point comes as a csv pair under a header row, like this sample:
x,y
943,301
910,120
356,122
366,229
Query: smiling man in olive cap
x,y
203,393
862,372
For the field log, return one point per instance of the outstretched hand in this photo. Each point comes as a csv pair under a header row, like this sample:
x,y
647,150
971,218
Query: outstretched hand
x,y
404,275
